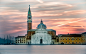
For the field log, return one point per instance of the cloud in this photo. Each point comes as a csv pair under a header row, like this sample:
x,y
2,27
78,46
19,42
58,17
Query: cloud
x,y
61,15
12,25
80,29
74,12
72,26
64,14
40,1
17,1
49,6
81,3
12,12
71,21
66,27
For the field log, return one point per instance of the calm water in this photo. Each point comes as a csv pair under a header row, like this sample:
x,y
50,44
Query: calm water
x,y
42,49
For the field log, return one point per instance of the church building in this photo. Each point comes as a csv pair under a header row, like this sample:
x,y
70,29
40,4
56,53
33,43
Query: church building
x,y
41,35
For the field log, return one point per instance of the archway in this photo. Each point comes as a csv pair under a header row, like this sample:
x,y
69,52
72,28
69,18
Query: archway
x,y
41,41
62,43
28,43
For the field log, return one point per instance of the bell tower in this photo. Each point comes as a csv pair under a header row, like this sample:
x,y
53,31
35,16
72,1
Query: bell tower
x,y
29,19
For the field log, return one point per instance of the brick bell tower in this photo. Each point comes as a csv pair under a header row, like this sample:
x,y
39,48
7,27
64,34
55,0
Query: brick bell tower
x,y
29,20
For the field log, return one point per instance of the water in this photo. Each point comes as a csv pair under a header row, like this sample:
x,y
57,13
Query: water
x,y
42,49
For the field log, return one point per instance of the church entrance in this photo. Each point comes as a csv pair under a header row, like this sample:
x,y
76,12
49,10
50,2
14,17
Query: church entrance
x,y
41,41
28,43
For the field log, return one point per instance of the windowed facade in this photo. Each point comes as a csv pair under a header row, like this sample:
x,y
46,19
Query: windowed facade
x,y
70,40
20,40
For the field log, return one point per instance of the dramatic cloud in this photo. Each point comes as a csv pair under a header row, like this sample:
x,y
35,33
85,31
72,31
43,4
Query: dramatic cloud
x,y
64,16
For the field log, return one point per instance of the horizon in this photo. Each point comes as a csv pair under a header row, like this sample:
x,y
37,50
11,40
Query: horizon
x,y
63,16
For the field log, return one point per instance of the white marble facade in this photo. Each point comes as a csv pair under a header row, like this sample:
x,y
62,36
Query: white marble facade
x,y
41,36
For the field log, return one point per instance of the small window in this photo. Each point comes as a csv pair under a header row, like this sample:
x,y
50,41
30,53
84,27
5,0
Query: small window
x,y
66,42
72,39
63,39
69,39
66,39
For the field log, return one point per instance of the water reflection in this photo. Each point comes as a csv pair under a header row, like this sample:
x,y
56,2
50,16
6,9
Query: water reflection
x,y
42,49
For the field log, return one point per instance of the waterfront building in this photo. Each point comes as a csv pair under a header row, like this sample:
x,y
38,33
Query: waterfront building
x,y
42,35
70,39
20,40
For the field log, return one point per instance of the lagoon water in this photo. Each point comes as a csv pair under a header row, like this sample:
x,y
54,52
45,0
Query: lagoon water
x,y
42,49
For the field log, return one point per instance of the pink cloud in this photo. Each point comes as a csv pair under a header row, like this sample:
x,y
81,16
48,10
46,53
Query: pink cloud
x,y
76,25
74,12
60,23
12,12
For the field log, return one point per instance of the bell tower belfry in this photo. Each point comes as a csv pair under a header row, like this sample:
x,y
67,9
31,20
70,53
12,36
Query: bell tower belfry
x,y
29,19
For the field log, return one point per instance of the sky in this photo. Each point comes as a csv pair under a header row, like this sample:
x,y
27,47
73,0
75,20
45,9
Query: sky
x,y
64,16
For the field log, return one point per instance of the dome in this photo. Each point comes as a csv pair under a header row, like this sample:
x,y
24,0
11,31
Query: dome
x,y
41,25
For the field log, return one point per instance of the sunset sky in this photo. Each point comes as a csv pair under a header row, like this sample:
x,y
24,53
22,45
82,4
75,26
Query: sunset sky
x,y
64,16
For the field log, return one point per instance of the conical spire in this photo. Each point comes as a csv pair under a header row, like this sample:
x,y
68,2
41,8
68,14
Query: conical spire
x,y
29,12
41,21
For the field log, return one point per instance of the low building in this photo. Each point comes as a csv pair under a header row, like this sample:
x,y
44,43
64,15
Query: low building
x,y
72,38
20,40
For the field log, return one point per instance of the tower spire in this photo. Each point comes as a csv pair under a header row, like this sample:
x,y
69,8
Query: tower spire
x,y
29,20
29,12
